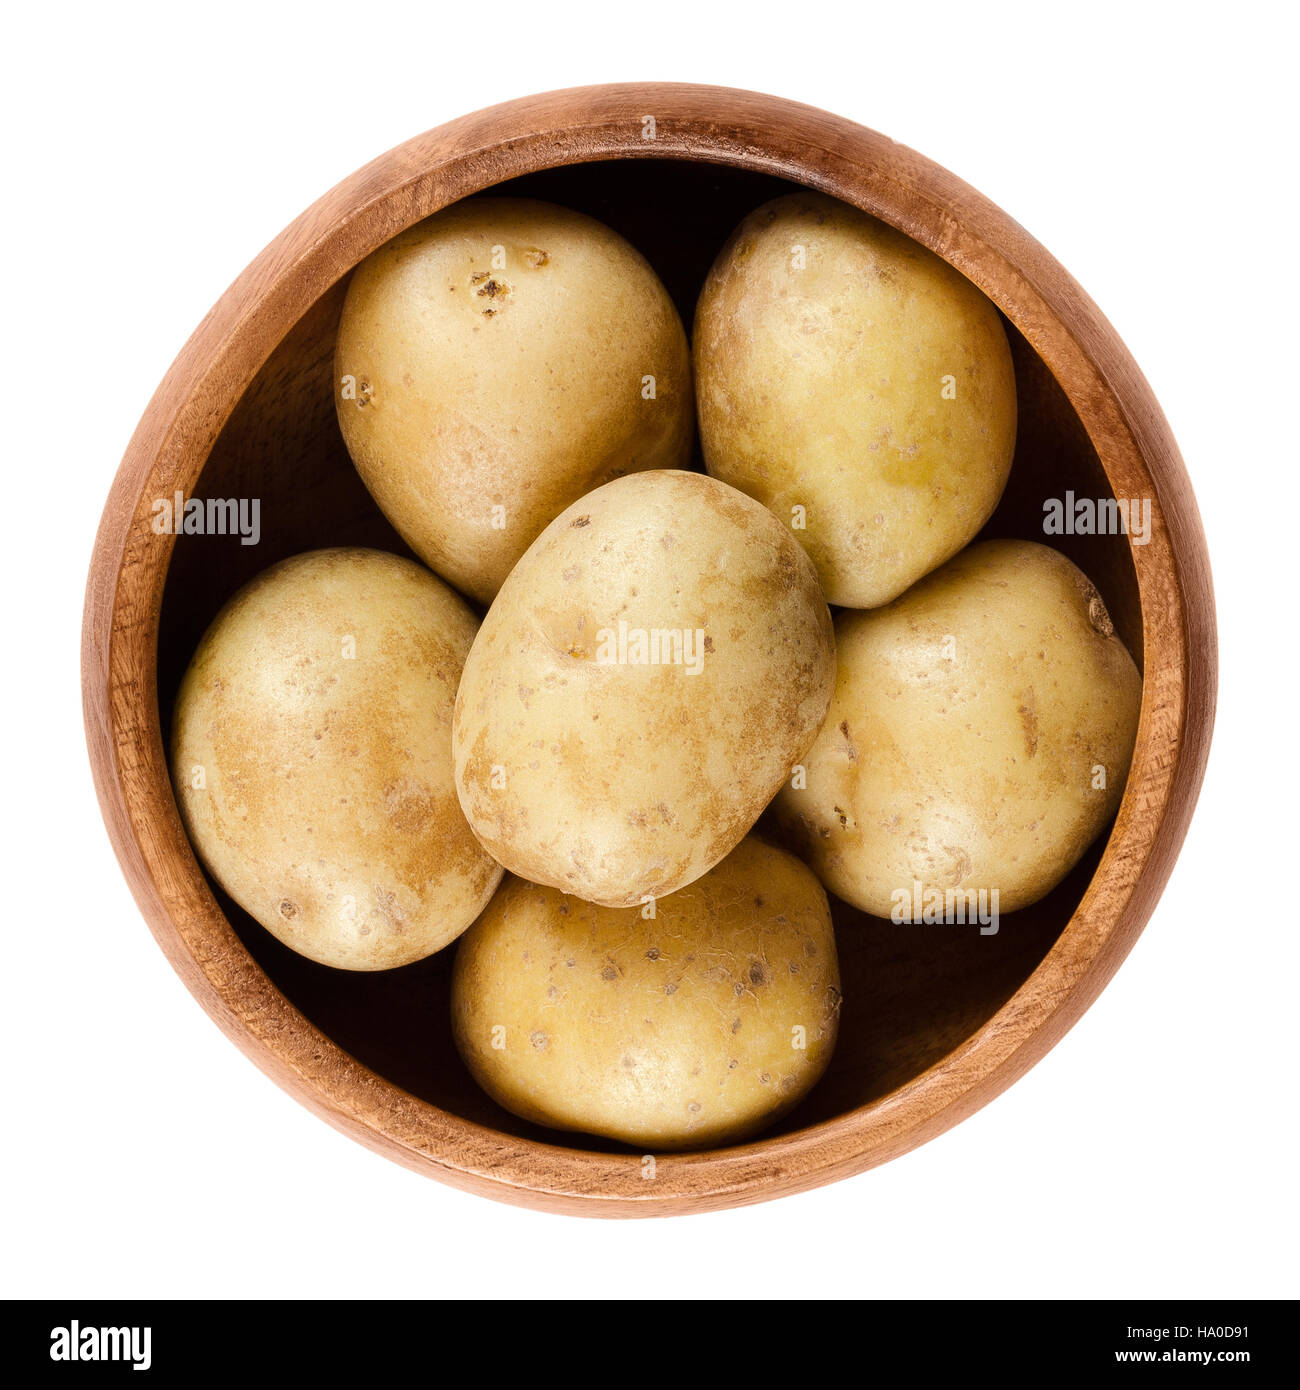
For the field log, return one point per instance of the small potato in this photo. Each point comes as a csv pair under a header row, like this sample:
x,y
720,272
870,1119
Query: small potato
x,y
979,737
699,1026
640,688
858,386
496,362
311,754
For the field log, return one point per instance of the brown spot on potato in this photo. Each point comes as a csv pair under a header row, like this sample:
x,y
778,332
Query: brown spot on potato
x,y
408,805
1099,617
387,906
959,866
1028,712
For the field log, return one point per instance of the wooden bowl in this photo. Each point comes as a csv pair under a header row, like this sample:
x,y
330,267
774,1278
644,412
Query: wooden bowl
x,y
937,1021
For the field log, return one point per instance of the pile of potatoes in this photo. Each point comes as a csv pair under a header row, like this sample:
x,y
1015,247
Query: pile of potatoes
x,y
554,738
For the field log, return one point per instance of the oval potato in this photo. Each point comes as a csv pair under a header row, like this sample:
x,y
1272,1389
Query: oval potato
x,y
496,362
640,688
979,737
311,754
698,1027
858,386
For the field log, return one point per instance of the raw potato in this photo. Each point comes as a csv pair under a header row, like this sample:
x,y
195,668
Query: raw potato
x,y
496,362
963,744
698,1027
613,778
844,369
311,752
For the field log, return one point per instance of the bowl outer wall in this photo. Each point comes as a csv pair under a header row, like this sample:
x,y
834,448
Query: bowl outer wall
x,y
172,442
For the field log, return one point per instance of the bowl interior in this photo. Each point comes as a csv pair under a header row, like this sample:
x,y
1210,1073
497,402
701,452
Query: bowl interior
x,y
911,993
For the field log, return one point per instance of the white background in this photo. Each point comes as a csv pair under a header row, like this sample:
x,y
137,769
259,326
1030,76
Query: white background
x,y
149,153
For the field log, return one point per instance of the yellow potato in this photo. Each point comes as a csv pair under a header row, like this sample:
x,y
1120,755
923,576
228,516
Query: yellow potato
x,y
496,362
978,740
699,1026
640,688
311,754
858,386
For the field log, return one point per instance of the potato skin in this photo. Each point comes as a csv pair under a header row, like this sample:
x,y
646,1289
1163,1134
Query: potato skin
x,y
329,811
676,1032
477,385
975,771
615,781
823,387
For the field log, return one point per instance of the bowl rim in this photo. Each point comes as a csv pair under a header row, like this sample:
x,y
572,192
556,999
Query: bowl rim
x,y
192,404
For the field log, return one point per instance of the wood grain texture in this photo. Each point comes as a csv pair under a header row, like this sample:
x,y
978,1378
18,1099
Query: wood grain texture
x,y
934,1027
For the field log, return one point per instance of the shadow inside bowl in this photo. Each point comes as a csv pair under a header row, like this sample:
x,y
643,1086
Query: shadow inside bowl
x,y
911,993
